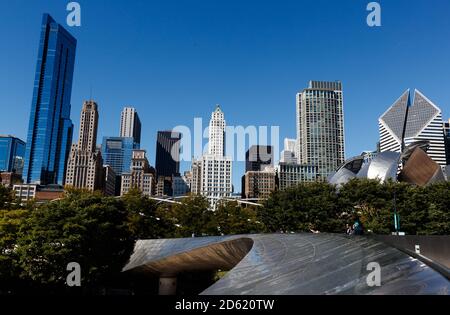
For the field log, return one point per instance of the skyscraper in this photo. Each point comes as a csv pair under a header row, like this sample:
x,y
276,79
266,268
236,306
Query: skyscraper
x,y
320,127
447,142
293,174
213,169
140,176
117,153
406,122
50,128
12,151
130,124
289,152
85,164
168,153
258,157
216,144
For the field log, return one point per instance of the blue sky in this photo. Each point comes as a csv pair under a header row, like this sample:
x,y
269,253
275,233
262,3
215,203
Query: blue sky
x,y
174,60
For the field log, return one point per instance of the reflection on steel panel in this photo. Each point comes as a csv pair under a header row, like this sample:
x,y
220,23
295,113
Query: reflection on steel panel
x,y
291,264
341,177
384,166
421,170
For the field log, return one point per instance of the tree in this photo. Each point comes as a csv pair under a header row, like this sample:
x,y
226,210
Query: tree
x,y
190,218
232,219
82,227
302,208
10,223
143,219
6,197
438,198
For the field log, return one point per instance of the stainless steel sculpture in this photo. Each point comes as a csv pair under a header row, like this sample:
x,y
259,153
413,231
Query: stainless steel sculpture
x,y
383,166
286,264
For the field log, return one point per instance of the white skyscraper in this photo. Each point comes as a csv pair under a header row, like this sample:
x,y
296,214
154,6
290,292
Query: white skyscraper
x,y
216,145
423,122
130,124
214,169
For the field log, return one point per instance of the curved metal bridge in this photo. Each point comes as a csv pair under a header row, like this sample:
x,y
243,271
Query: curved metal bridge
x,y
287,264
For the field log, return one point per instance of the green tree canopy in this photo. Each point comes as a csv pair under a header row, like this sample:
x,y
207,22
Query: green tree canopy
x,y
82,227
231,219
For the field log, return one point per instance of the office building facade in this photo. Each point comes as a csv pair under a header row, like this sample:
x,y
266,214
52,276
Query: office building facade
x,y
408,121
259,184
216,173
180,185
288,155
258,157
164,186
117,152
290,175
196,176
130,124
320,127
109,181
50,129
141,176
447,143
12,152
85,165
167,162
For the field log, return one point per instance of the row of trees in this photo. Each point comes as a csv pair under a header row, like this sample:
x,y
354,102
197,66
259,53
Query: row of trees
x,y
320,206
98,232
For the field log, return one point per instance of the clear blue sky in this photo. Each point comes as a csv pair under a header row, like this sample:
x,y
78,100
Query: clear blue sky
x,y
174,60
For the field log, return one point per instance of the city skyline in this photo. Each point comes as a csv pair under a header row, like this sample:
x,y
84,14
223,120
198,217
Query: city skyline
x,y
236,113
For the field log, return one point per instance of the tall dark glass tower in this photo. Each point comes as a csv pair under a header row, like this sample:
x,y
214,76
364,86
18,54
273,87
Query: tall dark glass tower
x,y
50,128
168,153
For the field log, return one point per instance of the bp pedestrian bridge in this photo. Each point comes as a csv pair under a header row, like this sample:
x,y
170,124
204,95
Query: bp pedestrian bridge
x,y
298,264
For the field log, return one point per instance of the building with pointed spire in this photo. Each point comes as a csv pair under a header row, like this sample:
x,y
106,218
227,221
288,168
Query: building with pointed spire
x,y
85,164
212,173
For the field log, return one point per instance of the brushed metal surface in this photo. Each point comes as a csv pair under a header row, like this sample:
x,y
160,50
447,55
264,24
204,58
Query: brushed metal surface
x,y
290,264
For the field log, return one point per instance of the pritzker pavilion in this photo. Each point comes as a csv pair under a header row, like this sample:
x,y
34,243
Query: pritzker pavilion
x,y
411,144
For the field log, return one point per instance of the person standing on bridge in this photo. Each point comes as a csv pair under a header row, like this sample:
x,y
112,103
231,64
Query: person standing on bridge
x,y
358,228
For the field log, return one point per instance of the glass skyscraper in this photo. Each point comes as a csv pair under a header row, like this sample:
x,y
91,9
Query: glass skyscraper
x,y
117,153
12,151
50,128
167,160
320,127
